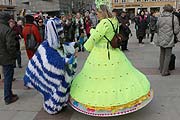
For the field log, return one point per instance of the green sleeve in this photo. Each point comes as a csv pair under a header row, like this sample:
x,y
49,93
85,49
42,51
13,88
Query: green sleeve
x,y
96,34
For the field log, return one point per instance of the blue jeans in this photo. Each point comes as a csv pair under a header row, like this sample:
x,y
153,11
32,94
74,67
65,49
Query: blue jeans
x,y
8,71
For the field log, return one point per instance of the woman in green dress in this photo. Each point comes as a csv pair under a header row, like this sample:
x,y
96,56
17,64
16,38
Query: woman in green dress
x,y
108,86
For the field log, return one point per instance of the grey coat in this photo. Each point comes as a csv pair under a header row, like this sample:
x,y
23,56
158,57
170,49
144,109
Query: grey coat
x,y
165,32
8,49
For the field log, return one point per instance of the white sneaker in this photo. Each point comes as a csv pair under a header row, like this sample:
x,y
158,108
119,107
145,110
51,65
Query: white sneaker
x,y
152,43
141,45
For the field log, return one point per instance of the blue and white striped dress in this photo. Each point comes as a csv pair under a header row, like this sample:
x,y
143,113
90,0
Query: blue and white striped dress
x,y
49,74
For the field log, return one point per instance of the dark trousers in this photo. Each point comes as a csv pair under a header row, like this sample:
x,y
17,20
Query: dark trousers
x,y
152,37
8,71
165,56
19,58
140,39
80,45
124,45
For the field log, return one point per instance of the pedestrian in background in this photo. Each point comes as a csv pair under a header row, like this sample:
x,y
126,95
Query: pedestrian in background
x,y
87,25
147,15
69,29
41,28
165,38
124,30
177,14
18,32
79,31
8,53
30,27
153,26
93,18
141,26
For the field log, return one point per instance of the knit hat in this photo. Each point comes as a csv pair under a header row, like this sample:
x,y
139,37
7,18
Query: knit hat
x,y
29,19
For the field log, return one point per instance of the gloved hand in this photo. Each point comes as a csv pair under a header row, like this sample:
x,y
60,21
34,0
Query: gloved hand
x,y
71,60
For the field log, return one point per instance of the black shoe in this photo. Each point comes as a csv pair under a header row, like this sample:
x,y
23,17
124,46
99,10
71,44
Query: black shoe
x,y
20,66
14,79
13,99
167,74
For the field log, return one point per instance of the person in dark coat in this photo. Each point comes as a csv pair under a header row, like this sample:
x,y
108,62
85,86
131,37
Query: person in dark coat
x,y
18,31
69,29
8,52
141,26
177,14
153,26
124,30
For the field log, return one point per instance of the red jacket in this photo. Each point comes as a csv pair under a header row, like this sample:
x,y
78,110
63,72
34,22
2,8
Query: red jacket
x,y
37,35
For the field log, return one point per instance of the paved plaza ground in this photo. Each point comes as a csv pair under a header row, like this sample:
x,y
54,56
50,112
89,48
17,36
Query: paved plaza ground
x,y
164,106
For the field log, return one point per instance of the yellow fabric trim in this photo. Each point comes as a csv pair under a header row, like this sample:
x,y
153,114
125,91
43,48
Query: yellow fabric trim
x,y
116,108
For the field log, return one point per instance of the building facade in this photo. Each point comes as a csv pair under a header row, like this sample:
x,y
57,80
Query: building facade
x,y
54,7
8,5
132,6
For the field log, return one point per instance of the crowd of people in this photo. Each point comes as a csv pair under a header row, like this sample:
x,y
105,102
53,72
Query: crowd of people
x,y
52,62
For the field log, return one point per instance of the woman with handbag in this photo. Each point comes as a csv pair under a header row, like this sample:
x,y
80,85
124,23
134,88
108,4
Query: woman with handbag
x,y
166,37
108,84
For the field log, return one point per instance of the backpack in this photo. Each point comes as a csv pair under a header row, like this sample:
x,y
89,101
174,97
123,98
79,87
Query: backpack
x,y
117,38
31,43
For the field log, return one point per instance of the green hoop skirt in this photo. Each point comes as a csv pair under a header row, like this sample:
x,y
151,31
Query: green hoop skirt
x,y
108,87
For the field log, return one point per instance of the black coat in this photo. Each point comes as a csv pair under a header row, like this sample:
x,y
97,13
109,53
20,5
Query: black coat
x,y
153,24
8,44
141,26
124,28
178,16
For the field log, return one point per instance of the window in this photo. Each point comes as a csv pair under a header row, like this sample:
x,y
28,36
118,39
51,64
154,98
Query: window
x,y
115,1
138,0
146,0
123,1
10,2
153,0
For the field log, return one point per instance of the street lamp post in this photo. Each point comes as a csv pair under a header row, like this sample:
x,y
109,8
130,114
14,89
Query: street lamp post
x,y
176,3
59,7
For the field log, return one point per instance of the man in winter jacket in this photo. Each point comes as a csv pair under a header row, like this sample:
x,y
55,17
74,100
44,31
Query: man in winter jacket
x,y
8,52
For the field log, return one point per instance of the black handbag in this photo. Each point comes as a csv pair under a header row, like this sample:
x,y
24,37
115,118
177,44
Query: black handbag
x,y
172,62
175,36
31,43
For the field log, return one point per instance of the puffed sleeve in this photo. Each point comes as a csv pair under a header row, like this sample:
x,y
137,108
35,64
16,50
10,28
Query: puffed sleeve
x,y
96,34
